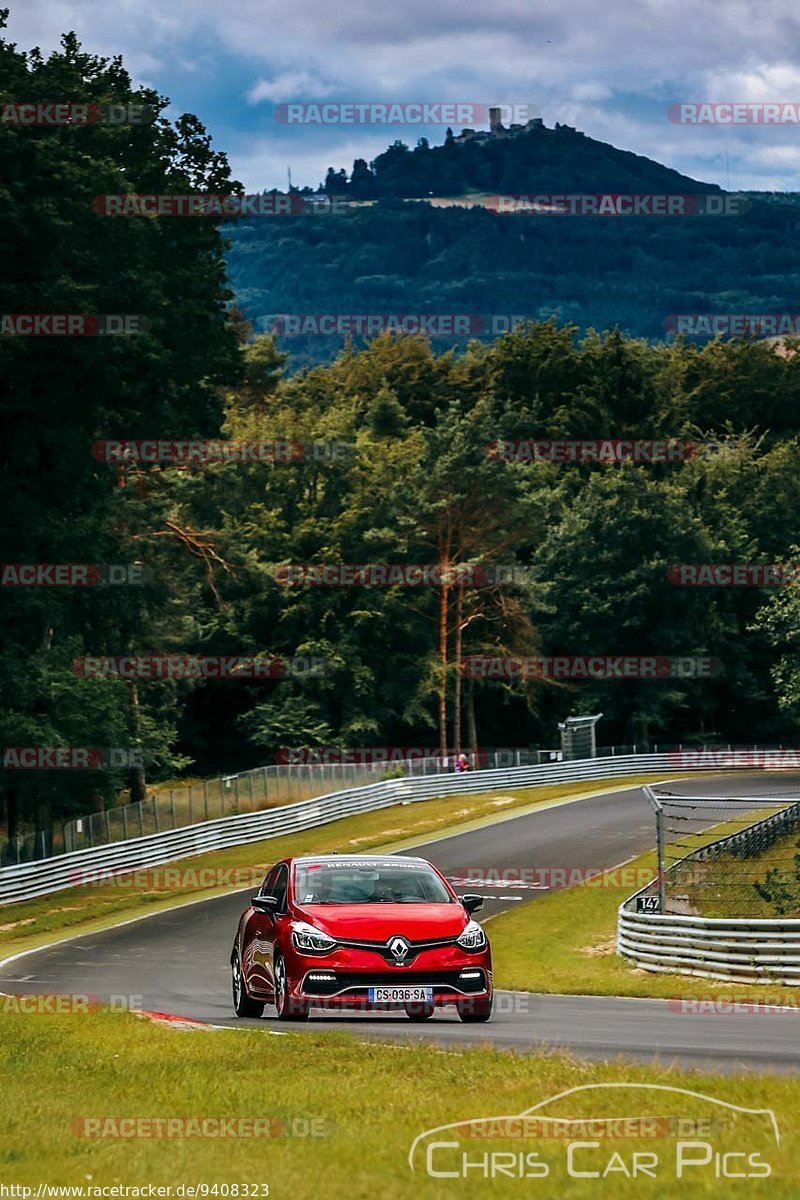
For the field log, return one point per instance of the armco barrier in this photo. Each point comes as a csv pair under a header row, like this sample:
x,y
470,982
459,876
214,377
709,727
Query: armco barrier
x,y
736,949
28,880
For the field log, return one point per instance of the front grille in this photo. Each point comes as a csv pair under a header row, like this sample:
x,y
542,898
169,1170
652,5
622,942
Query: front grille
x,y
382,948
442,981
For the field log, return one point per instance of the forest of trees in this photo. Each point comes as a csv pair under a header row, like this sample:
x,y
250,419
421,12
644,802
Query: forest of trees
x,y
415,486
592,271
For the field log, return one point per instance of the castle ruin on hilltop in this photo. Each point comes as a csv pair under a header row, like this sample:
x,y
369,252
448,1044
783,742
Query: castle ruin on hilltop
x,y
498,130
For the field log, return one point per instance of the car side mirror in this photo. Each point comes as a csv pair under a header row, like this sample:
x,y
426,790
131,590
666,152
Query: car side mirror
x,y
265,904
472,902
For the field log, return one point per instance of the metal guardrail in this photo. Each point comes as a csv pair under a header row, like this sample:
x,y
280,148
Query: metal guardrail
x,y
28,880
240,792
735,949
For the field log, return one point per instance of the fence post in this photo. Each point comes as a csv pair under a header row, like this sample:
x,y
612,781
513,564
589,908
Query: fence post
x,y
172,807
191,814
236,790
155,812
205,797
141,818
662,880
125,822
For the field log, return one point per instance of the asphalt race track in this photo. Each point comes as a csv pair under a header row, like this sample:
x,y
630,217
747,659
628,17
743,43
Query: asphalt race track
x,y
177,962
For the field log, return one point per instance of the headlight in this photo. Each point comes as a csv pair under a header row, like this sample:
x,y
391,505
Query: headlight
x,y
473,937
311,940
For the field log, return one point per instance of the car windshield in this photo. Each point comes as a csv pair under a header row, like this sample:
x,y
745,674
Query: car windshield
x,y
368,883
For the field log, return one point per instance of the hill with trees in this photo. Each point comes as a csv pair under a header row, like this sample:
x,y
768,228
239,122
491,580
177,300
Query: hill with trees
x,y
395,251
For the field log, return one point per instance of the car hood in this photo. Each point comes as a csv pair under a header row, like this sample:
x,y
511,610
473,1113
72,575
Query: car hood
x,y
379,922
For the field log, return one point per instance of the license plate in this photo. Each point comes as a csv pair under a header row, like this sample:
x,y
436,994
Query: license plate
x,y
400,995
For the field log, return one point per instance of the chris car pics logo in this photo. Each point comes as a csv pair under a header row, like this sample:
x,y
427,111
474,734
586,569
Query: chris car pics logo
x,y
606,1132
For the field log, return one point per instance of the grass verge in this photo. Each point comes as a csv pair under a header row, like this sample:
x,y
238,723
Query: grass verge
x,y
762,886
370,1101
565,943
92,907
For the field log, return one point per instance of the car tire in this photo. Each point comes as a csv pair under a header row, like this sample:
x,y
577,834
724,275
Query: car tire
x,y
419,1011
473,1011
243,1004
286,1007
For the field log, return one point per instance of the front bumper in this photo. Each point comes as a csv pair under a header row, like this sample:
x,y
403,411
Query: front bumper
x,y
343,978
351,989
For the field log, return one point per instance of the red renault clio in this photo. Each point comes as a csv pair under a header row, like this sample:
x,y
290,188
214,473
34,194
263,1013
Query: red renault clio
x,y
360,932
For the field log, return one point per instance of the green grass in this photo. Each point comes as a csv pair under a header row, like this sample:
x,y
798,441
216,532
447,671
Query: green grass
x,y
725,886
565,943
176,803
373,1099
91,907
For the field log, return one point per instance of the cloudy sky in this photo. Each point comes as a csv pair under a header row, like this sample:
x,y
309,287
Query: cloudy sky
x,y
610,70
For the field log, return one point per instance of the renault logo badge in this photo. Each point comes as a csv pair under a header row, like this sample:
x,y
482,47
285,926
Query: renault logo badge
x,y
399,948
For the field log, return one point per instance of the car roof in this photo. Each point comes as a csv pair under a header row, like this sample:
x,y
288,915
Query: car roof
x,y
334,858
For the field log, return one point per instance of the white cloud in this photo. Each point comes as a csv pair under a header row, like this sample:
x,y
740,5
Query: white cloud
x,y
613,78
768,81
287,86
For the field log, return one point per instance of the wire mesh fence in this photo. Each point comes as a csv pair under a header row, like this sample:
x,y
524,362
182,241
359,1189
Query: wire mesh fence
x,y
734,856
243,792
250,791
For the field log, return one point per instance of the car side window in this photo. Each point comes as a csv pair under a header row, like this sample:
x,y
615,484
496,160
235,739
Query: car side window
x,y
280,886
267,887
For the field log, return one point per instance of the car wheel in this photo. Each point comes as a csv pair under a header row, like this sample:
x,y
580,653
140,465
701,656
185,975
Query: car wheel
x,y
474,1010
419,1011
243,1006
286,1007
